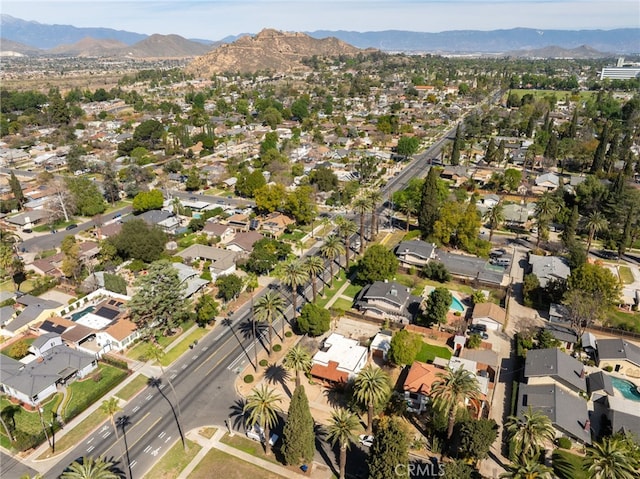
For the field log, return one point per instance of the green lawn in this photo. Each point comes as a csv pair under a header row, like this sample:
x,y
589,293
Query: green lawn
x,y
328,293
174,461
228,467
29,421
182,346
247,445
293,236
139,351
342,304
77,434
81,394
352,290
625,274
6,349
567,465
621,320
428,352
135,386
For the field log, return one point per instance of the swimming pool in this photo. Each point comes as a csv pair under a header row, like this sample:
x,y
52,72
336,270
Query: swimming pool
x,y
84,312
456,305
626,388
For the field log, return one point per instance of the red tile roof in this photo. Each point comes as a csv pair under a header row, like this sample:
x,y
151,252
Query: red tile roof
x,y
329,372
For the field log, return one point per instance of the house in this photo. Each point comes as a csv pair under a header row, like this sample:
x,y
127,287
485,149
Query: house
x,y
44,342
339,360
415,253
275,224
471,268
380,344
190,278
219,230
548,181
489,201
515,215
36,309
558,313
239,222
223,262
567,336
34,382
388,300
243,242
568,412
489,314
549,366
165,220
28,219
417,385
620,355
617,415
117,336
548,268
599,382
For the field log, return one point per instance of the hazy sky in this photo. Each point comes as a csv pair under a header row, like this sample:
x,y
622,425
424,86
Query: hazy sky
x,y
215,19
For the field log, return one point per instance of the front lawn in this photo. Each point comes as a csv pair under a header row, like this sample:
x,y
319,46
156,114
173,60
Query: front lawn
x,y
428,352
342,304
28,423
352,290
180,348
626,276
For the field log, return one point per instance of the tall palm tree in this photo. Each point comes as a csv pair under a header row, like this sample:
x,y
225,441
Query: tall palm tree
x,y
546,208
362,205
110,407
346,229
298,359
371,386
90,468
293,274
495,217
611,459
527,468
451,391
262,409
374,197
596,222
268,309
530,432
409,207
315,267
341,430
331,249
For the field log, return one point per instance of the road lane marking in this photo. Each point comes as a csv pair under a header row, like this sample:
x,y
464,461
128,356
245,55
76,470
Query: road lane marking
x,y
204,348
162,434
173,376
90,440
168,439
91,448
107,434
147,449
130,429
195,356
133,464
184,366
135,409
148,397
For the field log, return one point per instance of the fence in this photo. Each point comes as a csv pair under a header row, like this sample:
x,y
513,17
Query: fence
x,y
614,332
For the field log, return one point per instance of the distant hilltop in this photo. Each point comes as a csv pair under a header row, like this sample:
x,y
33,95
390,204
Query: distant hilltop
x,y
35,36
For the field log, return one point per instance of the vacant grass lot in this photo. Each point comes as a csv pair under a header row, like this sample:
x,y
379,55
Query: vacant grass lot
x,y
175,460
227,467
428,352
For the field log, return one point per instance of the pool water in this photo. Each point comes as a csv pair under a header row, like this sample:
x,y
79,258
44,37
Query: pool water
x,y
79,314
456,305
626,388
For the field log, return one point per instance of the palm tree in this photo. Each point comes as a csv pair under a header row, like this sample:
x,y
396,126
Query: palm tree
x,y
374,197
362,205
331,249
262,409
595,223
293,274
530,432
268,309
298,359
346,229
341,430
110,407
315,267
451,391
370,387
546,208
409,207
527,468
90,468
495,217
611,459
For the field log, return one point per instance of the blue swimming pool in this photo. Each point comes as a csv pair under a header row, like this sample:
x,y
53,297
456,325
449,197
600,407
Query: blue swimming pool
x,y
456,305
626,388
79,314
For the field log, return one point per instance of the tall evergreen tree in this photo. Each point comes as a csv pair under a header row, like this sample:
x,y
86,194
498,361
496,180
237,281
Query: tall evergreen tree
x,y
298,437
429,207
457,146
16,189
569,234
390,450
601,149
573,126
490,153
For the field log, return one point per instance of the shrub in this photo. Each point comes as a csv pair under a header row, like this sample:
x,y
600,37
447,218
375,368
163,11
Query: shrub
x,y
19,350
277,347
248,378
608,368
436,271
474,341
288,334
564,443
263,363
113,361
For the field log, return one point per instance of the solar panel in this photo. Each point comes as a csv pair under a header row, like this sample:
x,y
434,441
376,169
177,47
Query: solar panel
x,y
107,313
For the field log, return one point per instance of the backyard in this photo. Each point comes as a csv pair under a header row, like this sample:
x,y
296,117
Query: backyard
x,y
428,352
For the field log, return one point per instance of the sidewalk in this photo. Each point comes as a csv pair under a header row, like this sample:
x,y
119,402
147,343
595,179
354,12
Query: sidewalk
x,y
214,442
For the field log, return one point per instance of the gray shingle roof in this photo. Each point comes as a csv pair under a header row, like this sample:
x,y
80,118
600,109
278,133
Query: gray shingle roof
x,y
599,381
557,365
547,268
618,348
417,248
471,267
397,296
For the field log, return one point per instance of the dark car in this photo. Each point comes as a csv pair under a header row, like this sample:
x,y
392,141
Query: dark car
x,y
71,226
27,230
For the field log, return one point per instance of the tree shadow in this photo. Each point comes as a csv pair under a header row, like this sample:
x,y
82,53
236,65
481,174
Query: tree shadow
x,y
321,446
116,467
157,383
277,373
122,422
261,330
237,414
337,394
229,322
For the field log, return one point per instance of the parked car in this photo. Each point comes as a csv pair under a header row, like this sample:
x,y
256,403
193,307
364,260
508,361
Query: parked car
x,y
365,440
257,434
71,226
477,328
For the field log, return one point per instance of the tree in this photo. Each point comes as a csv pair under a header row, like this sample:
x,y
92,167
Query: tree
x,y
193,182
371,387
147,200
429,205
293,274
362,205
495,217
374,197
300,204
16,189
261,408
90,468
298,437
110,185
314,320
596,222
158,304
266,254
268,309
315,267
340,430
346,228
409,207
324,178
137,240
229,286
407,146
438,305
332,249
458,469
206,309
298,359
249,183
377,264
270,198
110,407
451,391
71,264
612,458
475,437
526,467
512,179
546,208
87,197
390,449
530,432
115,283
458,144
404,347
595,281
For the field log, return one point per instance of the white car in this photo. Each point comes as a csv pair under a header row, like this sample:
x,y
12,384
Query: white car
x,y
365,440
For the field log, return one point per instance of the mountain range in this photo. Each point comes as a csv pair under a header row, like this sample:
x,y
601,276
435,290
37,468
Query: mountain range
x,y
35,36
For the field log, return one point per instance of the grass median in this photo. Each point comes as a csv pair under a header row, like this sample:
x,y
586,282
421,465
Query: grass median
x,y
134,387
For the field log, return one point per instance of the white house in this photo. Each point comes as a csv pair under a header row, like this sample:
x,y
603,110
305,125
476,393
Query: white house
x,y
339,360
489,314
